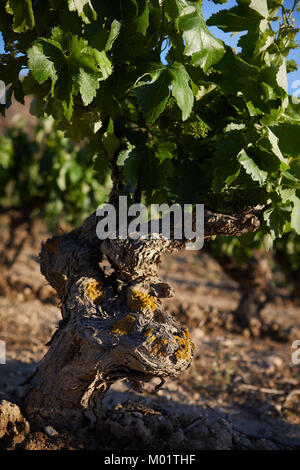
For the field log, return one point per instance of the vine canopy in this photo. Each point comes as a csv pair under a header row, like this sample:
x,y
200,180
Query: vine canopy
x,y
182,116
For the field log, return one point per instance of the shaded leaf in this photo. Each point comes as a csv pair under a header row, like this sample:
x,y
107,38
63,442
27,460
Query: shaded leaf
x,y
289,138
23,15
251,168
181,89
142,21
165,151
277,220
152,96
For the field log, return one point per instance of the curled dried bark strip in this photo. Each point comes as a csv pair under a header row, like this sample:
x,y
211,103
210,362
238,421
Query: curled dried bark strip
x,y
232,225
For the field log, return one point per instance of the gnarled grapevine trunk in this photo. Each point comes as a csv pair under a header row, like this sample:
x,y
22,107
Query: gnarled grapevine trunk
x,y
253,278
112,327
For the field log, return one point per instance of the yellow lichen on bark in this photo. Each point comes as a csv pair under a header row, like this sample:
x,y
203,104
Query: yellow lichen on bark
x,y
95,291
186,333
151,337
159,348
148,332
185,346
124,326
140,301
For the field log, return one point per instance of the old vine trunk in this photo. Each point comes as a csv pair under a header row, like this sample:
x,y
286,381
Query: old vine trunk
x,y
113,326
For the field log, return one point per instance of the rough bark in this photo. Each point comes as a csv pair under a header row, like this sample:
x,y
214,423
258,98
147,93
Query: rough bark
x,y
255,283
113,327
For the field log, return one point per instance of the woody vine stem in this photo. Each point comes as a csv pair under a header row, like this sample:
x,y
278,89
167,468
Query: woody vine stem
x,y
113,326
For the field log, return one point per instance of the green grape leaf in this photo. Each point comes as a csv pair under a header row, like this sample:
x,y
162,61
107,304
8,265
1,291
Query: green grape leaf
x,y
110,141
81,55
88,85
101,163
124,154
277,220
171,9
204,48
42,67
273,140
289,138
152,96
89,58
103,63
113,34
181,89
67,100
23,15
295,217
268,151
260,6
251,168
246,16
165,151
84,9
225,164
142,21
132,166
291,66
290,195
281,78
259,88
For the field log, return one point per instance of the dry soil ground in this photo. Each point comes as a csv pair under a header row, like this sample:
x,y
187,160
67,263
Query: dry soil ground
x,y
239,392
